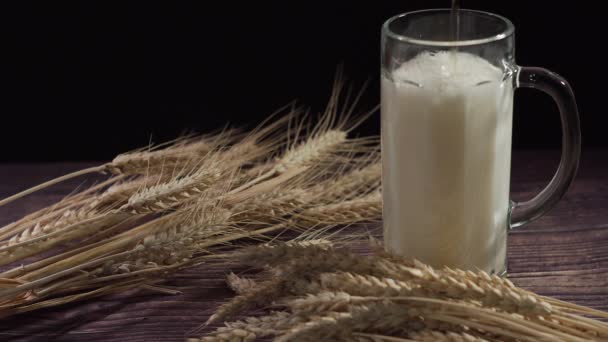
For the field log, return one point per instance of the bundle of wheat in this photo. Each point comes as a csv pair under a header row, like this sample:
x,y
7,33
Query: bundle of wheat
x,y
323,293
182,203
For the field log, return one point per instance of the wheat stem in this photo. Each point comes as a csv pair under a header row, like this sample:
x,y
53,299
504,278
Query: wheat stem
x,y
52,182
584,323
59,285
67,299
489,328
20,270
378,337
36,283
574,308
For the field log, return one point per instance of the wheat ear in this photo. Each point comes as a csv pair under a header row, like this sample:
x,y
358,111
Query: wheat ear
x,y
491,290
42,241
240,285
273,253
69,217
366,285
254,327
263,293
426,336
272,206
366,208
314,149
83,208
167,195
147,162
55,210
279,205
346,186
455,288
314,260
338,326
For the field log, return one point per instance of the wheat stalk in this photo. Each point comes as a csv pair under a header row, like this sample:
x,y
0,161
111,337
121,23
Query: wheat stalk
x,y
107,289
52,182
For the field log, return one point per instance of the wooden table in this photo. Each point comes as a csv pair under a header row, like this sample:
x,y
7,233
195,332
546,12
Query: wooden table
x,y
563,254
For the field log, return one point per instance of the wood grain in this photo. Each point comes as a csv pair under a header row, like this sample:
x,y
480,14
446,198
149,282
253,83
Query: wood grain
x,y
563,254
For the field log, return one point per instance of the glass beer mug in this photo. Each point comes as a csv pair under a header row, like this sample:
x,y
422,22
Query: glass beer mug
x,y
447,109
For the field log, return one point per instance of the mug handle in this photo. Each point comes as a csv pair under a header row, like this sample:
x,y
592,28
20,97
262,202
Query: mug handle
x,y
559,89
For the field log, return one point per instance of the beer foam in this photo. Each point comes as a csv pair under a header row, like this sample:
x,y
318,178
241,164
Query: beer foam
x,y
447,71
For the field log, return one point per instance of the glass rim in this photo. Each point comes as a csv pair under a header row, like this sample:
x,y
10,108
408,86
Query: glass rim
x,y
448,43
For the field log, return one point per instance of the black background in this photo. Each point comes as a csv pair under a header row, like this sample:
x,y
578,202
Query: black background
x,y
89,79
